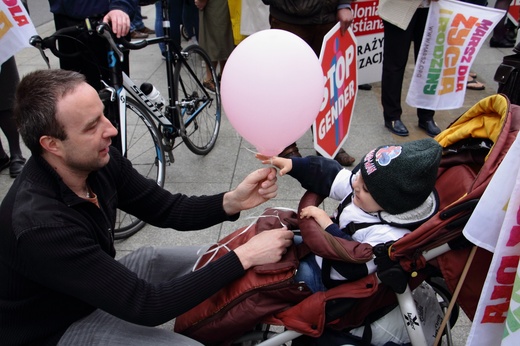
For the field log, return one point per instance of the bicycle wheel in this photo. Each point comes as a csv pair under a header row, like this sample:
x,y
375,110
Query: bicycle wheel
x,y
145,151
198,109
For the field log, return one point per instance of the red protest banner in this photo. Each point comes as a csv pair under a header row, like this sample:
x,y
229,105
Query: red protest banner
x,y
338,60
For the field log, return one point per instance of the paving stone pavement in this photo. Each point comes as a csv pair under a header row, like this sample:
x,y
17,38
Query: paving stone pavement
x,y
231,159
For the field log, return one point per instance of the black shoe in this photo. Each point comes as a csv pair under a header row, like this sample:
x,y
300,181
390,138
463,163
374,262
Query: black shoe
x,y
17,163
290,151
342,157
430,127
365,87
503,43
396,127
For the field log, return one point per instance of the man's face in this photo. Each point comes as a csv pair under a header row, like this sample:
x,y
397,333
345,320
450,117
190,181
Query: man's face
x,y
88,131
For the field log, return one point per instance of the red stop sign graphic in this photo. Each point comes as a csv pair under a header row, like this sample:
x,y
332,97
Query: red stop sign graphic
x,y
513,13
339,63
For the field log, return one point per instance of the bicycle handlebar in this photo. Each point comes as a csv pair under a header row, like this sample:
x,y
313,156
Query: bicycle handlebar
x,y
101,29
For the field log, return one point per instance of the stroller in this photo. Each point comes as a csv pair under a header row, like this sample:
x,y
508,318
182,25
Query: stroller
x,y
435,252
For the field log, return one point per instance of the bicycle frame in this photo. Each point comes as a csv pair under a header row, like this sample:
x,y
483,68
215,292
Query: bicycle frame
x,y
172,53
188,112
169,121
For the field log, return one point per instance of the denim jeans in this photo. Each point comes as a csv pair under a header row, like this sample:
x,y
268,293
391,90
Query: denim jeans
x,y
137,22
309,271
180,12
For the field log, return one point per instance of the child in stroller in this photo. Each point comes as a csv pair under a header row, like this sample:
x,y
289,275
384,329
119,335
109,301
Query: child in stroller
x,y
473,147
390,192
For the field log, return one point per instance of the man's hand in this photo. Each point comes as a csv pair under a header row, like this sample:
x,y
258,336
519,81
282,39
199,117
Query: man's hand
x,y
318,214
283,164
257,188
345,18
119,21
265,247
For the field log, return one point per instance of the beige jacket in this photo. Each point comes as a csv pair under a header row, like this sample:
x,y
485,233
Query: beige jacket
x,y
398,12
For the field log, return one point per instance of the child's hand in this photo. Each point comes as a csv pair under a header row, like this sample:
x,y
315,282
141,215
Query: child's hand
x,y
317,214
284,165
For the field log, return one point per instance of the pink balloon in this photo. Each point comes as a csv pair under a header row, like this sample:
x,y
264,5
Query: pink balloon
x,y
272,89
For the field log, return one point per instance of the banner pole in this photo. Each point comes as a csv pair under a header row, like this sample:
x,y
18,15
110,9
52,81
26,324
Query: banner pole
x,y
455,295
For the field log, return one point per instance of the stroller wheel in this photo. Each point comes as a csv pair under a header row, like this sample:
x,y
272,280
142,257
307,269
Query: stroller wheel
x,y
444,297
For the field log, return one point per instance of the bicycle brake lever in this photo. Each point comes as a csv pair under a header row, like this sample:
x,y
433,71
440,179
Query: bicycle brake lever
x,y
109,89
103,30
36,41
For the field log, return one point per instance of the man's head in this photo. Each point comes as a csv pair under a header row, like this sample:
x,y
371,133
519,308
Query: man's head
x,y
36,104
60,117
400,177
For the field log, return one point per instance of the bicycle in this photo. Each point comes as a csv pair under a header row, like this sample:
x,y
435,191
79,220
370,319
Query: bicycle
x,y
147,131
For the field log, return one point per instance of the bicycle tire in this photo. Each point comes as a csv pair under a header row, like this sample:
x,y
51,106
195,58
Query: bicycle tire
x,y
199,110
146,153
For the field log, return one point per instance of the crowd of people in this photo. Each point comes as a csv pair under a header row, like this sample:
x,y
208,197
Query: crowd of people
x,y
60,281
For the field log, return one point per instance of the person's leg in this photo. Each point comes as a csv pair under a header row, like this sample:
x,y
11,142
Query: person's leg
x,y
175,20
159,264
4,158
425,116
499,38
137,28
9,79
93,57
190,19
310,273
159,31
16,161
137,20
153,265
395,56
101,328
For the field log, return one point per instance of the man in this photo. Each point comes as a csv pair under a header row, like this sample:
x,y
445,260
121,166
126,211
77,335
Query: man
x,y
400,31
59,281
311,20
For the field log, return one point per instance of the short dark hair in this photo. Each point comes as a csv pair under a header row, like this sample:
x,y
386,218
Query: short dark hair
x,y
36,101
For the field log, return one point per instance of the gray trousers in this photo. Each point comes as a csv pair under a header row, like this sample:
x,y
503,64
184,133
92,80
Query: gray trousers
x,y
153,265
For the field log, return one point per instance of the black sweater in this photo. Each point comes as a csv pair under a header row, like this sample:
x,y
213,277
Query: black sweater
x,y
57,252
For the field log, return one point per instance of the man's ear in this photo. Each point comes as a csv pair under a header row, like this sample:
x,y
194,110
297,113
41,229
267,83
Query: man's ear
x,y
50,144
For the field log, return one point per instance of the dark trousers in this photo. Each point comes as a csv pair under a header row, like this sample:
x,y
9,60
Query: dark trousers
x,y
395,57
312,34
93,58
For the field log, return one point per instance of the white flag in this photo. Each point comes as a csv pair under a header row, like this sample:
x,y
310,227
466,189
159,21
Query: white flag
x,y
495,226
453,35
16,28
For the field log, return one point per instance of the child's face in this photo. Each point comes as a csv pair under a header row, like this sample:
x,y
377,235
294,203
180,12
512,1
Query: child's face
x,y
362,198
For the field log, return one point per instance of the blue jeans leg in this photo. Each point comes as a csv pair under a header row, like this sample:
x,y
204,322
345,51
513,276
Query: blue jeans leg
x,y
159,31
309,271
